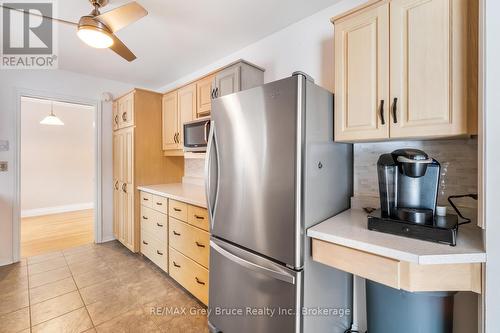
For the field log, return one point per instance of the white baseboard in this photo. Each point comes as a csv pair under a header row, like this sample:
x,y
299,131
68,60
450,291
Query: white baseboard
x,y
56,209
5,262
108,239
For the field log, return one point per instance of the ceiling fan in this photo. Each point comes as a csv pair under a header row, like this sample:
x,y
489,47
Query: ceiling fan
x,y
98,30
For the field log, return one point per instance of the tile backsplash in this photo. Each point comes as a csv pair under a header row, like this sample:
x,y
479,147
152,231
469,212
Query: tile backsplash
x,y
194,171
459,154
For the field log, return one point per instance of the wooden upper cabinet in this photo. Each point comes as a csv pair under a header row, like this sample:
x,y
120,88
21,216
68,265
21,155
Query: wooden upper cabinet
x,y
186,99
417,56
362,75
429,67
170,121
126,110
204,96
227,81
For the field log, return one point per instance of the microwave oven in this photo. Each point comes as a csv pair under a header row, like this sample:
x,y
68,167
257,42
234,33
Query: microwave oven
x,y
196,135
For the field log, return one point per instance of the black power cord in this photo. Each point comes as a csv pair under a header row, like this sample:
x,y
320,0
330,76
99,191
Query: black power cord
x,y
470,195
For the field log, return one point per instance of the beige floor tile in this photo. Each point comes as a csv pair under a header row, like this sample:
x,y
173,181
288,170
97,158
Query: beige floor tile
x,y
13,272
51,290
79,249
15,321
55,307
82,257
13,301
185,324
92,330
104,290
109,308
48,277
9,286
73,322
44,257
83,267
93,276
131,321
47,265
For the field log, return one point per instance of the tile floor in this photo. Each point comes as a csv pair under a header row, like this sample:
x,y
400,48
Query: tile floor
x,y
94,288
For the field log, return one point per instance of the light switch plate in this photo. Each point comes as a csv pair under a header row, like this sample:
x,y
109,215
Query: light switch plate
x,y
4,145
4,166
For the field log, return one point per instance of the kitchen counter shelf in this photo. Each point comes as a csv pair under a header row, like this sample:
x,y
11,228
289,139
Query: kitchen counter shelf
x,y
188,193
344,242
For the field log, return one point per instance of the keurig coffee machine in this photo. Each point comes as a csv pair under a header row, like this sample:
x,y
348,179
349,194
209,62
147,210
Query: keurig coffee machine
x,y
408,184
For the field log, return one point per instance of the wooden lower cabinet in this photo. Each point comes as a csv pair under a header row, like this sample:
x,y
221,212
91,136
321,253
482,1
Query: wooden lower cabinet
x,y
189,274
174,236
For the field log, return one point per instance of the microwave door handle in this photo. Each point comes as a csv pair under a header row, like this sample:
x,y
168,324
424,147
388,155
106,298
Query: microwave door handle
x,y
211,165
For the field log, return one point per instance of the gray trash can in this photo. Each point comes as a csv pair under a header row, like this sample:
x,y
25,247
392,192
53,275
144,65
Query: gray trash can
x,y
397,311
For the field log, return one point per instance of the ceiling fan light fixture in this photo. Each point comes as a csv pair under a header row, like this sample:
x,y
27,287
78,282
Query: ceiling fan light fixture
x,y
95,37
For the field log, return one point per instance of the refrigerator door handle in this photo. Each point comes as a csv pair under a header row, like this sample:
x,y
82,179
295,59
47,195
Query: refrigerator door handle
x,y
280,275
211,162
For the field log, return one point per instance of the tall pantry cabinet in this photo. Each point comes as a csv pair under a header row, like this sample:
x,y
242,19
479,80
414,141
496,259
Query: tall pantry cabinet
x,y
137,160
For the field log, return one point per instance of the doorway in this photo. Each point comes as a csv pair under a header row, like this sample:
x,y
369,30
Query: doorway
x,y
57,175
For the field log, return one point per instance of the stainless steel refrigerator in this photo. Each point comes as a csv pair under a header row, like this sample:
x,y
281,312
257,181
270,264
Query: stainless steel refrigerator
x,y
272,171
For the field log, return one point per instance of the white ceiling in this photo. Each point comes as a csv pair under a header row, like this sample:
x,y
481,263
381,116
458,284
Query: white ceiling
x,y
178,36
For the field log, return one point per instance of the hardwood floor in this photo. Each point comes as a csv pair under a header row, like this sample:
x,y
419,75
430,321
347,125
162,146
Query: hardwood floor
x,y
48,233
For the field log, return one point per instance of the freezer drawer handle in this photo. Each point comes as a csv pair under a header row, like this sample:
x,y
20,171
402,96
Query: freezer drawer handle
x,y
283,276
176,233
198,281
199,244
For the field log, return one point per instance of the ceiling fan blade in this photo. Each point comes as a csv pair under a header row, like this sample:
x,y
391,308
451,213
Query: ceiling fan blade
x,y
35,14
120,17
121,49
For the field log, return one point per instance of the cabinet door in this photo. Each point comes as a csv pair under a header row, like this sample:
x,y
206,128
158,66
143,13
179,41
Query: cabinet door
x,y
128,155
116,122
117,177
170,121
204,96
227,81
362,75
186,99
421,69
126,110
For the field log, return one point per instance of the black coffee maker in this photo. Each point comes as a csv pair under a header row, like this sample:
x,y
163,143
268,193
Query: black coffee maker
x,y
408,185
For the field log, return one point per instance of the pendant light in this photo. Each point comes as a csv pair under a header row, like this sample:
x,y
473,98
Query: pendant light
x,y
51,119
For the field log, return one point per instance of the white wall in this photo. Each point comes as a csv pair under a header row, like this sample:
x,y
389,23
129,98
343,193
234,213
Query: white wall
x,y
492,163
57,162
306,45
59,83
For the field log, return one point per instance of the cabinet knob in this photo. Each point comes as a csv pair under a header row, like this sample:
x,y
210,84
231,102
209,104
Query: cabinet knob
x,y
199,281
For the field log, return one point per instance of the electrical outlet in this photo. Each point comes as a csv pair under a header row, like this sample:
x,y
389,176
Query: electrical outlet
x,y
4,145
4,166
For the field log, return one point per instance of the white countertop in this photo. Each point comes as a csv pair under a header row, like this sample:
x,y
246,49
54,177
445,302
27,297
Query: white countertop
x,y
349,228
189,193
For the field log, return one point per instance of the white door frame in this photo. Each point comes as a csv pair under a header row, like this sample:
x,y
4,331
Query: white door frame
x,y
16,213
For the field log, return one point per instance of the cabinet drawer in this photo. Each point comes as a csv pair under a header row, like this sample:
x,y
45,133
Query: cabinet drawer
x,y
198,217
177,209
160,204
190,241
154,250
155,223
189,274
146,199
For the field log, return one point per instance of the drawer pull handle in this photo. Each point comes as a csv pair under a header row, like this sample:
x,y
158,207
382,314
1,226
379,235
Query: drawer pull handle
x,y
159,203
157,251
176,233
145,243
144,217
199,282
178,209
199,217
199,244
158,224
176,264
145,199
